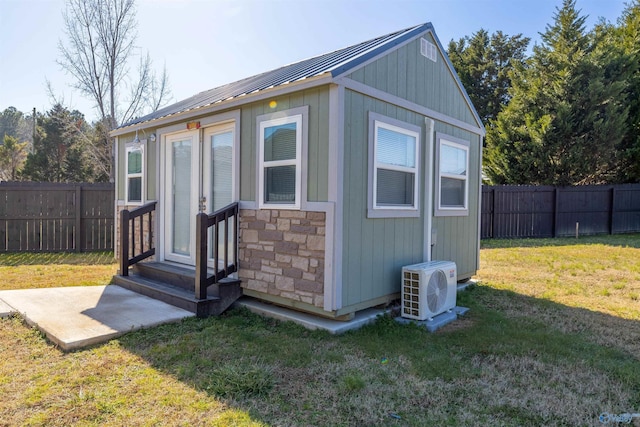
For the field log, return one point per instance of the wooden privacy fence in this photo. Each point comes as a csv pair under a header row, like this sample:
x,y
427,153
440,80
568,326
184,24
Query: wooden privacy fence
x,y
547,211
48,217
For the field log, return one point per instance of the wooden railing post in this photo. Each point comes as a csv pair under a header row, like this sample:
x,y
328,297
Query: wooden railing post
x,y
202,230
124,243
203,223
236,224
226,243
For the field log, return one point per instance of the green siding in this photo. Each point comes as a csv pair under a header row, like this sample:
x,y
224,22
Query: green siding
x,y
458,236
318,141
409,75
375,249
318,147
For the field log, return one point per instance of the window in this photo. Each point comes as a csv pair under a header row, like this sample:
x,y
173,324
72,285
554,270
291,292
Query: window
x,y
135,170
280,160
394,149
453,176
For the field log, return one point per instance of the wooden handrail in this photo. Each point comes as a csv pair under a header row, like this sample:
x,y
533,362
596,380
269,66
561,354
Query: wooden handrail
x,y
203,223
128,236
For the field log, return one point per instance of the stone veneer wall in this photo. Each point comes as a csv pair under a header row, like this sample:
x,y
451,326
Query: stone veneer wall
x,y
282,253
145,231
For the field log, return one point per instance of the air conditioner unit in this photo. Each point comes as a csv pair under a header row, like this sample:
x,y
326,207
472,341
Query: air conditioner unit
x,y
428,289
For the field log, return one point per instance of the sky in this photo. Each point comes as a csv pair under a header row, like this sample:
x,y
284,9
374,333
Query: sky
x,y
208,43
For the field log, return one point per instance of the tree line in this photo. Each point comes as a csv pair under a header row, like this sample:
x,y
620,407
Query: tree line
x,y
99,52
56,146
568,113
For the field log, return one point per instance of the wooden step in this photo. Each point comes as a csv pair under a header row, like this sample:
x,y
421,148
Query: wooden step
x,y
175,285
173,274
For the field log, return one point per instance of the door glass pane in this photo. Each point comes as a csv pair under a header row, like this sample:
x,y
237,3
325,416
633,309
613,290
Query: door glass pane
x,y
221,191
181,190
221,169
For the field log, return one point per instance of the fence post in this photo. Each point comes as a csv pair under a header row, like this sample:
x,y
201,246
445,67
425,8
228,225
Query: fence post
x,y
77,236
556,201
611,209
493,212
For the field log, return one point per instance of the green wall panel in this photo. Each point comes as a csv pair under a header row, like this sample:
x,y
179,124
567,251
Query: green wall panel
x,y
409,75
375,249
318,140
318,135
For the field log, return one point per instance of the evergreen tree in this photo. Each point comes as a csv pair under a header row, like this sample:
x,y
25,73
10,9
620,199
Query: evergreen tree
x,y
627,38
567,112
483,64
58,155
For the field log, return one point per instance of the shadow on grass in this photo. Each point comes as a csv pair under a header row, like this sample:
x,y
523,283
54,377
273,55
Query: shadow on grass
x,y
513,360
622,240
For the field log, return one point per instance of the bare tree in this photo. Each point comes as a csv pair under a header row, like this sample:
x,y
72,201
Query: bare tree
x,y
99,52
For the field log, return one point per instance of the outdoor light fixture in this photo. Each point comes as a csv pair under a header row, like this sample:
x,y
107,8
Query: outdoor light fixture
x,y
152,137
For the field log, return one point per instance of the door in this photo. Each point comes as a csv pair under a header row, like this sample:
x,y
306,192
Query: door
x,y
199,176
182,188
218,184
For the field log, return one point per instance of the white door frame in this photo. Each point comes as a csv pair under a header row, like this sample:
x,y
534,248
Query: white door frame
x,y
194,193
231,119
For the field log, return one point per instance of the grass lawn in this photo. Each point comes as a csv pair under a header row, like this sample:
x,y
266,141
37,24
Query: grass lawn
x,y
552,338
48,270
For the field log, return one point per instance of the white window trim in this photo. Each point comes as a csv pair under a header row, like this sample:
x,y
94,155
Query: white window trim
x,y
129,147
299,117
442,139
385,211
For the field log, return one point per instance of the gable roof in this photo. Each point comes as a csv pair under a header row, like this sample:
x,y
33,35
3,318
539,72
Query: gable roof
x,y
331,65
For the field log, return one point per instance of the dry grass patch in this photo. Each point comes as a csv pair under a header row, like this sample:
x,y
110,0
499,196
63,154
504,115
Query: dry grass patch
x,y
106,385
30,270
521,357
591,273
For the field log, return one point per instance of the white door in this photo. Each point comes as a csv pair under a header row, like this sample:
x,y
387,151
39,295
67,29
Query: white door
x,y
182,188
198,175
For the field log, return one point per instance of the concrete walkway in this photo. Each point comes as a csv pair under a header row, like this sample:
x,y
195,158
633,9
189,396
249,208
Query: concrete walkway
x,y
77,317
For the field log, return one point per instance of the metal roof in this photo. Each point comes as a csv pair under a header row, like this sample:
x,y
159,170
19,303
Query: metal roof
x,y
336,63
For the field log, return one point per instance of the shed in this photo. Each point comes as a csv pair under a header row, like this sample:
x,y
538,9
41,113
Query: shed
x,y
310,185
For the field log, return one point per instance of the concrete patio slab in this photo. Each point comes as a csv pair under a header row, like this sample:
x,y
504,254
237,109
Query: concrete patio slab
x,y
77,317
5,310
